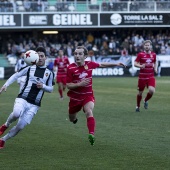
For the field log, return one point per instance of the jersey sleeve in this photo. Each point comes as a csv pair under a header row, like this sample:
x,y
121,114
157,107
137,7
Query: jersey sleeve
x,y
16,75
49,86
138,57
94,65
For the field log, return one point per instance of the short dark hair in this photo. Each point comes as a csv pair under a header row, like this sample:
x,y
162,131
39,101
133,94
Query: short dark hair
x,y
84,48
41,49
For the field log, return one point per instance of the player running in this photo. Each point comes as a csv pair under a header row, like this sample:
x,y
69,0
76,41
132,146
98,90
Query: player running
x,y
146,61
61,62
79,83
39,79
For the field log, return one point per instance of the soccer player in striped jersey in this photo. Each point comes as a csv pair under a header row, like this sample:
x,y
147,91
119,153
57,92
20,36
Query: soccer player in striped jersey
x,y
79,83
39,79
61,62
146,61
19,65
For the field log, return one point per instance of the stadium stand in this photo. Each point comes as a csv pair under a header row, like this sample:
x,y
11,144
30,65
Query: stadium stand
x,y
103,42
106,44
92,5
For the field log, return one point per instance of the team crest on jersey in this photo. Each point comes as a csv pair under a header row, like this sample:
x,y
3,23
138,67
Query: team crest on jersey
x,y
46,74
151,55
86,67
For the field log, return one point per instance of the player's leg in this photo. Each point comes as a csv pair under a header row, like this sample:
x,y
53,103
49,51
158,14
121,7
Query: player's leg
x,y
74,108
151,91
18,109
141,87
60,90
73,118
64,87
13,132
64,80
138,100
24,120
88,110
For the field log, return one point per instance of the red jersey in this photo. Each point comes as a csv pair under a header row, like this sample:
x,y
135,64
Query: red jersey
x,y
61,63
75,74
149,59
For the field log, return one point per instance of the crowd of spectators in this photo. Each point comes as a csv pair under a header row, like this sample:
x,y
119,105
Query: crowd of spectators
x,y
117,42
32,5
135,5
35,5
6,6
67,5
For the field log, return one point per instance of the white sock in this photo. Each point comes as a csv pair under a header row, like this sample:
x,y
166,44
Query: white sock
x,y
6,137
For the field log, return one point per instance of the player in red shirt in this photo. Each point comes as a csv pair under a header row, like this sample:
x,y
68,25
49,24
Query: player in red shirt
x,y
79,83
146,61
61,62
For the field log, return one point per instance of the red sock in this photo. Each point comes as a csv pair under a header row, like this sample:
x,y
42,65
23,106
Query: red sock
x,y
148,96
91,125
60,92
139,98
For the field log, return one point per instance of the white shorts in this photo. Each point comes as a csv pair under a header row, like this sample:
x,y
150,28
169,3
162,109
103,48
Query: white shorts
x,y
27,110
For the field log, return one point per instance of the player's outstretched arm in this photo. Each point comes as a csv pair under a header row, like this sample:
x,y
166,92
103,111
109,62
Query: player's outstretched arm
x,y
103,65
13,78
3,88
8,82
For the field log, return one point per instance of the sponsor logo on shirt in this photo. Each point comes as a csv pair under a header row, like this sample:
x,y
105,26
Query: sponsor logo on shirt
x,y
148,61
61,64
83,75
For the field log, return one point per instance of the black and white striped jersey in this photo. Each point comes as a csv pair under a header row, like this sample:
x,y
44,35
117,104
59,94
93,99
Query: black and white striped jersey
x,y
34,74
20,64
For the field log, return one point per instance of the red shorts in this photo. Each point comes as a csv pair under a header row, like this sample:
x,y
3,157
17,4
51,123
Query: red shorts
x,y
142,83
75,106
61,80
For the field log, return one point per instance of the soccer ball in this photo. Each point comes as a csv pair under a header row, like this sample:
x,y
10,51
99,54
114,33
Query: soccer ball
x,y
31,57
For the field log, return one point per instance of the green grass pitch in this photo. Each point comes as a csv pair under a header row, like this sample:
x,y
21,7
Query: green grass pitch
x,y
125,140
